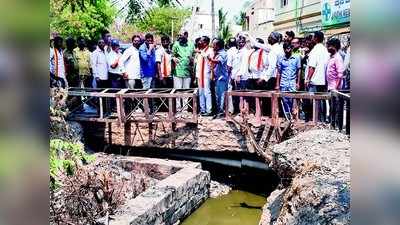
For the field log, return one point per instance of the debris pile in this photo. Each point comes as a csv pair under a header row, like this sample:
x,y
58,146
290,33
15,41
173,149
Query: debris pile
x,y
315,170
95,191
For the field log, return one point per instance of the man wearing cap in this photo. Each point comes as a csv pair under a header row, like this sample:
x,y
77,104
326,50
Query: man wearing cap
x,y
114,69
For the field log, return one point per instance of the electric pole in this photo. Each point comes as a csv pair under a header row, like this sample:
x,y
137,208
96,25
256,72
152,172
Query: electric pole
x,y
212,19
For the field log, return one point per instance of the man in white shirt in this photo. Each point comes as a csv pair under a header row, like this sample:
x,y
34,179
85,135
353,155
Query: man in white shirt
x,y
98,61
274,51
240,70
130,63
257,65
57,69
164,63
317,63
231,53
114,68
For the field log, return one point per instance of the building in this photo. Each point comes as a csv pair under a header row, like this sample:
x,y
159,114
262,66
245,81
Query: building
x,y
200,22
259,18
307,16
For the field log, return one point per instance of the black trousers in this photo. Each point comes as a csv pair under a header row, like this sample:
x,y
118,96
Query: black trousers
x,y
103,83
116,80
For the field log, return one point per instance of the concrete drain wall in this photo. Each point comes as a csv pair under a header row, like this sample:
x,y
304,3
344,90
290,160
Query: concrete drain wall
x,y
171,199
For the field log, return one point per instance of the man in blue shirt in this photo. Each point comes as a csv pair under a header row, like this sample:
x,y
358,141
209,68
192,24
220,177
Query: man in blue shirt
x,y
288,77
219,64
148,64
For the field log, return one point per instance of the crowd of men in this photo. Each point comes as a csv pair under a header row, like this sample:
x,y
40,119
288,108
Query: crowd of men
x,y
285,63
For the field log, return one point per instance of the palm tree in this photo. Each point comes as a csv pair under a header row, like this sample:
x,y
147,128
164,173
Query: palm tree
x,y
136,10
223,27
241,19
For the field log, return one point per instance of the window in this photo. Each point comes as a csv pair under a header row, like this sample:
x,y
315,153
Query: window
x,y
284,3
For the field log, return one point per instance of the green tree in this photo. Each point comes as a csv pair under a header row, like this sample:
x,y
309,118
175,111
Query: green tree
x,y
241,19
87,19
159,20
224,32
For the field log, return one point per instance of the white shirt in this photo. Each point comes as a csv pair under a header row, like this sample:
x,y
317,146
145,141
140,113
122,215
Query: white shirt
x,y
318,58
273,56
230,55
130,63
113,57
98,61
57,67
239,64
254,70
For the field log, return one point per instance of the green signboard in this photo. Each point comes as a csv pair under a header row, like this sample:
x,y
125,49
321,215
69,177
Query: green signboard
x,y
335,12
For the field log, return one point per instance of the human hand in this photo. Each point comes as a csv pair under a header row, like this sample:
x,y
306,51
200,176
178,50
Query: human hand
x,y
297,86
125,76
306,83
259,81
237,79
113,66
176,60
152,46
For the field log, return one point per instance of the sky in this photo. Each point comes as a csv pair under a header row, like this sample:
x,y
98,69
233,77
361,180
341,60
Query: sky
x,y
233,7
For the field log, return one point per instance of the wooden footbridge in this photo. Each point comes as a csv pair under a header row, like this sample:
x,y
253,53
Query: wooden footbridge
x,y
169,117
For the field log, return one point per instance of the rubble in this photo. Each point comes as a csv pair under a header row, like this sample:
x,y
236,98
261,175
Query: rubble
x,y
218,189
315,171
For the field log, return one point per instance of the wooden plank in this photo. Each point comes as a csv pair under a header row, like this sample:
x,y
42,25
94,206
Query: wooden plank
x,y
171,111
128,133
258,111
315,112
226,102
101,108
275,110
194,109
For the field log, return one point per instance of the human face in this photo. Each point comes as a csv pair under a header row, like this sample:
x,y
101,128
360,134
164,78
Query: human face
x,y
107,38
331,50
241,43
215,46
183,39
288,52
165,43
81,43
115,48
287,38
295,43
101,44
149,41
58,43
136,42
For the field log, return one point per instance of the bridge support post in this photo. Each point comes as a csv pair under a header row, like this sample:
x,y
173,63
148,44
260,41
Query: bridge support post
x,y
128,133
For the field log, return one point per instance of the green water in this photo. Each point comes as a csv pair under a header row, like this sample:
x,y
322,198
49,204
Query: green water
x,y
227,210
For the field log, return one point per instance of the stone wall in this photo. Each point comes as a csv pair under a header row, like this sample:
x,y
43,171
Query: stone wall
x,y
171,200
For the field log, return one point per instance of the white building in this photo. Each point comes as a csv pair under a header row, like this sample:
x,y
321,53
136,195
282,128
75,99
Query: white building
x,y
200,22
259,18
